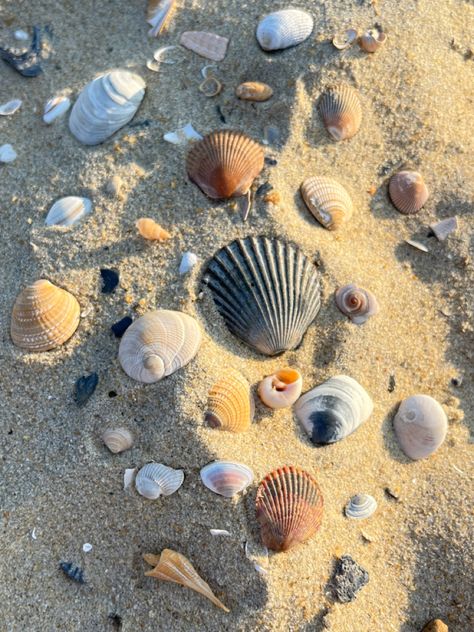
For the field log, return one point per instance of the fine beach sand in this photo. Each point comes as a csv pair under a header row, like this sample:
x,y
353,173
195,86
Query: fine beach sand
x,y
58,478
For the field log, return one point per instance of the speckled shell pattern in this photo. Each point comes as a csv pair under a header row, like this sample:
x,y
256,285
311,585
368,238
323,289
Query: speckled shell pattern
x,y
341,111
68,210
328,201
408,192
230,404
420,426
356,303
266,290
226,478
283,29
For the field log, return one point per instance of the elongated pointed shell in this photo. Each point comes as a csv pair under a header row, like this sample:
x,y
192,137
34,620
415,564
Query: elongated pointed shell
x,y
44,317
266,290
283,29
224,164
361,506
158,15
208,45
226,478
158,344
341,112
332,411
105,105
68,210
328,201
230,404
357,303
420,426
281,389
118,439
171,566
149,229
289,508
408,192
156,479
254,91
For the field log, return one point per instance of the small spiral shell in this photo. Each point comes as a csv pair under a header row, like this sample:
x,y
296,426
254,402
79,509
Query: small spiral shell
x,y
281,389
357,303
149,229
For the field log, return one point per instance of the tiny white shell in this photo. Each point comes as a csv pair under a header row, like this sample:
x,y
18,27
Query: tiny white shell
x,y
68,210
188,261
86,547
182,135
7,109
283,29
117,439
361,506
222,532
21,35
444,228
7,153
156,479
226,478
54,108
128,477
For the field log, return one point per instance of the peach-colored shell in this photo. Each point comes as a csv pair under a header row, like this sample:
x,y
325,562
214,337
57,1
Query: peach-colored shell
x,y
408,191
341,111
149,229
281,389
230,404
254,91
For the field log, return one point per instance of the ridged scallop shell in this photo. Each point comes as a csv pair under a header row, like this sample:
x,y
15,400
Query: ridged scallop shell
x,y
254,91
224,164
44,317
372,40
230,404
289,508
226,478
420,426
357,303
328,201
158,344
68,210
283,29
361,506
149,229
105,105
155,480
208,45
333,410
158,15
281,389
408,192
171,566
118,439
266,290
341,112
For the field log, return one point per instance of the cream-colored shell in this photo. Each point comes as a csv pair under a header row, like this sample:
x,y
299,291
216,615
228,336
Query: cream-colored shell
x,y
281,389
328,201
149,229
230,404
118,439
420,426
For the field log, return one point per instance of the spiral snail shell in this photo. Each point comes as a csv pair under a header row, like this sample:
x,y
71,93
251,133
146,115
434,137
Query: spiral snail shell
x,y
357,303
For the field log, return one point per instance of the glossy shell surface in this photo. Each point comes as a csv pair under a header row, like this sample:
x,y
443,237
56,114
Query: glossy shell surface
x,y
156,479
341,111
149,229
408,192
420,426
328,201
281,389
68,210
158,15
356,303
226,477
230,404
283,29
361,506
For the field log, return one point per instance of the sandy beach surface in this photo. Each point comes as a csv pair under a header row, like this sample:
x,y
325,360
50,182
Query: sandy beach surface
x,y
58,480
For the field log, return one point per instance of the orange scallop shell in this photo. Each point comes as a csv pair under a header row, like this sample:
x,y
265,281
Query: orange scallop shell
x,y
341,111
408,192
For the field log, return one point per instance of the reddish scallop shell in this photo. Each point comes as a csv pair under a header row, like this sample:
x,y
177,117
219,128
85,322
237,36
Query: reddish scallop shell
x,y
289,507
408,192
341,112
224,164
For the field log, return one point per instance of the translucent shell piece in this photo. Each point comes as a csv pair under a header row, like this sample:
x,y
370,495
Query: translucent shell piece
x,y
224,164
266,290
68,210
155,479
158,344
283,29
372,40
289,508
341,112
230,404
333,410
254,91
357,303
281,389
344,39
408,192
328,201
420,426
226,478
118,439
44,317
171,566
361,506
55,108
208,45
149,229
158,15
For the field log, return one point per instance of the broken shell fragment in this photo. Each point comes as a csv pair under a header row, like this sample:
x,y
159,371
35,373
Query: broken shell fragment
x,y
408,192
372,40
435,625
254,91
281,389
282,29
118,439
188,261
150,230
328,201
444,228
7,153
420,426
68,210
55,108
341,112
7,109
226,477
182,135
210,87
158,15
344,39
156,479
208,45
230,404
361,506
357,303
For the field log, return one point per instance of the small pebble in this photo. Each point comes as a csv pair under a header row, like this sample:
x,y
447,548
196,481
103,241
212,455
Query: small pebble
x,y
21,35
391,384
392,492
84,388
72,571
114,186
110,279
457,381
264,188
271,161
348,579
7,153
188,262
120,327
87,547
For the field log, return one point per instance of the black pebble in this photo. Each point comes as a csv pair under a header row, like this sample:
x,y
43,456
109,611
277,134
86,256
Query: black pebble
x,y
72,571
110,279
348,579
84,388
391,384
264,188
112,393
271,161
120,327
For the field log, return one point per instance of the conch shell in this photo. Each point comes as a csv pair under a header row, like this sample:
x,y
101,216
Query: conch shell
x,y
281,389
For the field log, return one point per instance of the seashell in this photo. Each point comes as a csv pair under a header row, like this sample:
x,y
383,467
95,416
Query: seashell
x,y
435,625
416,244
114,186
44,316
162,55
361,506
210,87
226,478
158,15
68,210
26,62
289,508
349,578
171,566
345,39
281,389
357,303
266,290
220,532
254,91
7,153
333,410
129,476
182,136
73,571
118,439
408,192
21,35
444,228
7,109
149,229
420,426
372,40
188,261
341,112
328,201
157,344
155,479
224,164
282,29
230,404
84,388
208,45
105,105
54,108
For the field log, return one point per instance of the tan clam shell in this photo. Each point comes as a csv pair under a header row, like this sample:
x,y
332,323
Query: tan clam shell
x,y
230,404
44,316
281,389
118,439
208,45
341,111
254,91
149,229
408,191
372,40
328,201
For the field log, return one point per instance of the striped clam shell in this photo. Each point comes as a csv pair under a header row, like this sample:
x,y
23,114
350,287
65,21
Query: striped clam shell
x,y
208,45
341,111
289,508
68,210
328,201
361,506
155,480
230,404
266,290
281,389
226,477
357,303
420,426
408,192
118,439
158,15
283,29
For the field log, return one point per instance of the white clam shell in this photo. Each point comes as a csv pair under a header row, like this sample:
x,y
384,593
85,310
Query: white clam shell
x,y
55,108
188,261
226,477
7,153
7,109
420,426
156,479
361,506
68,210
283,29
281,389
118,439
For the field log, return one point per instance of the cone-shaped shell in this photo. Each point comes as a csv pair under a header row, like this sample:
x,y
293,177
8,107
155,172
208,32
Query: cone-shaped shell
x,y
156,479
341,112
283,29
254,91
44,316
281,389
158,15
158,344
328,201
230,404
357,303
68,210
266,290
118,439
361,506
408,192
149,229
224,164
226,478
289,508
420,425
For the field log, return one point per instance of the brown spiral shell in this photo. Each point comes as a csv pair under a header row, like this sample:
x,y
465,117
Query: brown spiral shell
x,y
357,303
341,111
408,192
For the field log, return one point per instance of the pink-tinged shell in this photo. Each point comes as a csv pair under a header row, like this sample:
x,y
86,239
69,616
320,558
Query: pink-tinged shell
x,y
281,389
420,426
357,303
226,477
408,192
208,45
372,40
341,112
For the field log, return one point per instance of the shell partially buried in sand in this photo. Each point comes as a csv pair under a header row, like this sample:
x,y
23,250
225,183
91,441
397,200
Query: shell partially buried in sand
x,y
118,439
230,404
328,201
281,389
420,426
408,192
341,111
68,210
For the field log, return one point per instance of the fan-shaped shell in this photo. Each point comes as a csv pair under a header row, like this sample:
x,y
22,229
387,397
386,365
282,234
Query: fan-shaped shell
x,y
254,91
224,164
118,439
372,40
420,426
158,344
357,303
266,290
281,389
149,229
408,192
156,479
44,316
333,410
105,105
341,112
361,506
230,404
68,210
208,45
289,508
328,201
226,478
283,29
158,15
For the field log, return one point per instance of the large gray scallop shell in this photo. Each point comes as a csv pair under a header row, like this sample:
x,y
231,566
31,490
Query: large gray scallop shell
x,y
266,290
283,29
